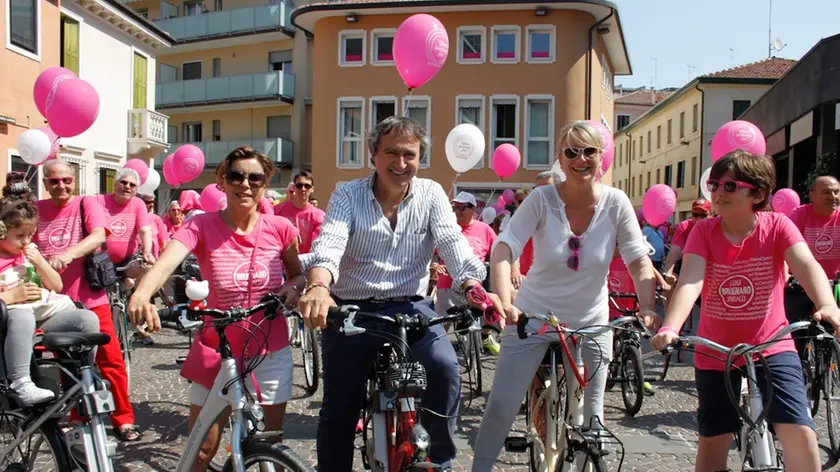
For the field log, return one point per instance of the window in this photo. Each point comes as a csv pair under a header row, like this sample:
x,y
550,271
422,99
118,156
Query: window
x,y
381,108
694,115
217,130
419,109
24,33
217,67
382,47
219,4
620,153
471,44
504,121
278,127
172,134
633,187
506,44
540,43
192,132
470,109
144,12
606,78
626,186
141,75
657,175
641,145
280,61
622,120
192,8
350,132
641,192
668,169
351,48
619,185
649,141
70,44
191,70
648,182
658,136
739,107
681,174
539,126
633,151
693,170
669,131
106,180
77,174
682,125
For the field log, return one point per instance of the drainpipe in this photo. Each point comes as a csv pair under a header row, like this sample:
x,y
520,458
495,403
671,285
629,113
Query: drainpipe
x,y
588,98
630,155
702,138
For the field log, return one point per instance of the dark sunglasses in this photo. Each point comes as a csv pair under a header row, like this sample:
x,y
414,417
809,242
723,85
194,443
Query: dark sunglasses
x,y
574,260
302,186
128,184
698,215
573,153
235,177
730,186
461,207
62,180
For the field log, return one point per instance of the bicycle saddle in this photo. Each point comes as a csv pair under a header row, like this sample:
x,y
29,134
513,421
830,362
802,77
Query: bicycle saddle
x,y
59,341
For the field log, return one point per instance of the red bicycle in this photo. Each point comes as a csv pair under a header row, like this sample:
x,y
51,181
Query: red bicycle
x,y
393,440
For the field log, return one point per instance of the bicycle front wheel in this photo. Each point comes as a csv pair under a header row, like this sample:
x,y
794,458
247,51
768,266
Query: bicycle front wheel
x,y
44,450
123,337
475,353
633,379
257,455
310,347
831,392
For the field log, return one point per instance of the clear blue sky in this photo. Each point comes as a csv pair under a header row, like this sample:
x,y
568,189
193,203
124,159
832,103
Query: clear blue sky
x,y
700,33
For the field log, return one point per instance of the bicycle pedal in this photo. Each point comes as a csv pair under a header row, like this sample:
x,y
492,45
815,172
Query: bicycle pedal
x,y
517,444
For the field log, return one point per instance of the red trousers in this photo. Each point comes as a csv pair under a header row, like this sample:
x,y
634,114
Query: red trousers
x,y
110,361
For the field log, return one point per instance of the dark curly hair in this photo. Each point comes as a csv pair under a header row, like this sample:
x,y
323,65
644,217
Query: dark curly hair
x,y
16,209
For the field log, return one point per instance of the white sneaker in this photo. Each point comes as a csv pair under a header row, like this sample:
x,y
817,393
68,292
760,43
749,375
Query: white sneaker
x,y
29,393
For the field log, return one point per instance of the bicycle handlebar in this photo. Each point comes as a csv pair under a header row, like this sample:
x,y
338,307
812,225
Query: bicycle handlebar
x,y
552,320
744,349
347,315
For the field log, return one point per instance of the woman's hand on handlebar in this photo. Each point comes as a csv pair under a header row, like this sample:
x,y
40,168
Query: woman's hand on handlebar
x,y
663,339
831,315
314,307
511,313
142,311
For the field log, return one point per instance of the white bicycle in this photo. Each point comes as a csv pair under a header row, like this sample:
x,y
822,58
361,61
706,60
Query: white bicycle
x,y
555,437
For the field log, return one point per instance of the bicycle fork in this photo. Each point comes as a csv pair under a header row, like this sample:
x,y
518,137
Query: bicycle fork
x,y
758,441
88,442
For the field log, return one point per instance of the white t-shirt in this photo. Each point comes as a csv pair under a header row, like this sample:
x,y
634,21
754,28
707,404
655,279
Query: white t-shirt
x,y
576,298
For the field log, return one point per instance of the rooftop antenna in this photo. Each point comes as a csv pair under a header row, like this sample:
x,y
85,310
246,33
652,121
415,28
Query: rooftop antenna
x,y
731,57
778,45
770,32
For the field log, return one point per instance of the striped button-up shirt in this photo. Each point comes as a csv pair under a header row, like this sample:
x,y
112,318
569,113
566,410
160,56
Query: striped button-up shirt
x,y
368,259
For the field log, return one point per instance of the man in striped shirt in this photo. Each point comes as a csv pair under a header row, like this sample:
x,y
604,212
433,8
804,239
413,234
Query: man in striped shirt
x,y
374,251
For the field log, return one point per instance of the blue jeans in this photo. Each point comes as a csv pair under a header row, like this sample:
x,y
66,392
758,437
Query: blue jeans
x,y
348,360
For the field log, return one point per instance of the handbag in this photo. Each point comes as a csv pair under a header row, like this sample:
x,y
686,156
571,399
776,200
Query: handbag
x,y
203,362
100,272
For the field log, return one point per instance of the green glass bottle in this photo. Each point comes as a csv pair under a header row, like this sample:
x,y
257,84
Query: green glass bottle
x,y
32,276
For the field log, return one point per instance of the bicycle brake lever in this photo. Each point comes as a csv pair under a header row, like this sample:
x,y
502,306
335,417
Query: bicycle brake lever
x,y
350,329
475,326
186,323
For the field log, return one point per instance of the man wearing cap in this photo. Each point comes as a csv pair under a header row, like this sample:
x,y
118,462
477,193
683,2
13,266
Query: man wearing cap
x,y
700,210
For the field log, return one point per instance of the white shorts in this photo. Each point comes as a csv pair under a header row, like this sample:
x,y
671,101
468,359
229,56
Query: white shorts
x,y
274,377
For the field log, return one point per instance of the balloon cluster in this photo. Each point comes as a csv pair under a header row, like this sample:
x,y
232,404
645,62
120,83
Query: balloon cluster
x,y
70,106
184,165
149,177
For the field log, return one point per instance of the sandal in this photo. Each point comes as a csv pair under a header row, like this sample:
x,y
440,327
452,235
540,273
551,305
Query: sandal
x,y
127,433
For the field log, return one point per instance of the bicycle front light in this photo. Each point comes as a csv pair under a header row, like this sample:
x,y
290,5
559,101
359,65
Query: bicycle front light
x,y
420,440
256,414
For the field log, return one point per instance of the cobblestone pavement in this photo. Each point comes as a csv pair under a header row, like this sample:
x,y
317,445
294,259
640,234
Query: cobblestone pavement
x,y
660,438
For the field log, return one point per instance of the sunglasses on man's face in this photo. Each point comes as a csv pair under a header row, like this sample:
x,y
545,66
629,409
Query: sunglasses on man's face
x,y
60,180
128,184
235,177
303,186
461,207
729,186
573,153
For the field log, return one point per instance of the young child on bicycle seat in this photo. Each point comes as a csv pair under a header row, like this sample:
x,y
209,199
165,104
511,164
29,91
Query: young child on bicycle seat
x,y
738,262
20,288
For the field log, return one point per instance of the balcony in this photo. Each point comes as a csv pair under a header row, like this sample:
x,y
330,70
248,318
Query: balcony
x,y
279,150
219,90
227,23
147,133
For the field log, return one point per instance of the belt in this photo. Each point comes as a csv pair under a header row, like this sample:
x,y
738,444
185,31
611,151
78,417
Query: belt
x,y
380,301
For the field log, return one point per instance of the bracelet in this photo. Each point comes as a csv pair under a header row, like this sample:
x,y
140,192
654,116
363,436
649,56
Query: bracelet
x,y
669,329
315,285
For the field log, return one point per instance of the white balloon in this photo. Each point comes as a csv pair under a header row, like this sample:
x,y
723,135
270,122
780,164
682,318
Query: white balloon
x,y
464,147
34,146
151,184
703,188
488,215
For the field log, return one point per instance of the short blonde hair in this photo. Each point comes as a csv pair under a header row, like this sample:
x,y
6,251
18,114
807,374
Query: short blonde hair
x,y
579,134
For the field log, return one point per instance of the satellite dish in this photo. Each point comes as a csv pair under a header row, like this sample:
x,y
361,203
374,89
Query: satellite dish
x,y
778,45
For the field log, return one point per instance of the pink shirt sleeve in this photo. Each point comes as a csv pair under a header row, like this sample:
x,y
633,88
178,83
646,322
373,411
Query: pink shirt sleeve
x,y
286,231
95,216
189,233
798,216
680,235
787,234
317,221
139,209
698,240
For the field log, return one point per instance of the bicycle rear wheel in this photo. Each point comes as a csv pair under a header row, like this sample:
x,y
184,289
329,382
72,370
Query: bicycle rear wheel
x,y
258,454
585,458
121,328
44,450
831,391
310,347
809,366
475,354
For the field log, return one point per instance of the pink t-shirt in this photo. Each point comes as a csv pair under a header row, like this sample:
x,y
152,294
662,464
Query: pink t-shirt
x,y
11,261
822,235
743,289
681,233
481,238
124,221
224,259
619,280
307,220
59,228
159,234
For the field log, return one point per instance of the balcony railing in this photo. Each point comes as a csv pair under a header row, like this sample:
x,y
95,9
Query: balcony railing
x,y
237,88
280,151
147,131
223,23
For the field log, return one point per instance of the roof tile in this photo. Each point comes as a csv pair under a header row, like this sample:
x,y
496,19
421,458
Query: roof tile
x,y
642,97
772,68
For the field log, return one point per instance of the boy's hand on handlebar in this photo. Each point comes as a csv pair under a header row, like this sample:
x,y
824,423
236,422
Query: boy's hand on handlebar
x,y
650,318
831,315
141,311
314,307
663,340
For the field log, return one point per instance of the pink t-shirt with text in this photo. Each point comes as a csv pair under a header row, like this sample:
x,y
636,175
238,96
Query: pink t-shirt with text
x,y
822,235
743,288
681,233
224,259
481,238
60,228
619,280
307,220
124,221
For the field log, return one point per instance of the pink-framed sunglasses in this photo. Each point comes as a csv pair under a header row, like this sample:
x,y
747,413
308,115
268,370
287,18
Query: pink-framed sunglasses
x,y
574,260
730,186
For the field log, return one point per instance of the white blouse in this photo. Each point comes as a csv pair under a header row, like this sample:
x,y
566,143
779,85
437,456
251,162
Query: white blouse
x,y
578,298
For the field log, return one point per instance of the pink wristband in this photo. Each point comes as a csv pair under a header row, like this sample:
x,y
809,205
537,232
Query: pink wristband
x,y
669,329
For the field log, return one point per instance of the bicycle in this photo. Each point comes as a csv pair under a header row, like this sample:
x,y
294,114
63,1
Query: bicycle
x,y
468,347
118,295
398,442
559,442
757,446
310,346
35,429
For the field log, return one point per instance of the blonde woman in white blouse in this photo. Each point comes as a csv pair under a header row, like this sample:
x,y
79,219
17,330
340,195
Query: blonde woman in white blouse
x,y
575,226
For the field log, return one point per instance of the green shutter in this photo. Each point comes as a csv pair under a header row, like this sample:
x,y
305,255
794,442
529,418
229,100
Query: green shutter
x,y
140,74
70,52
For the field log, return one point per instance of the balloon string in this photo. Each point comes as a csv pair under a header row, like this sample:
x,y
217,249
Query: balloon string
x,y
165,210
493,192
408,103
454,182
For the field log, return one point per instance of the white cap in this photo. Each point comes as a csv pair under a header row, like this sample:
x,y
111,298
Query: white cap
x,y
465,197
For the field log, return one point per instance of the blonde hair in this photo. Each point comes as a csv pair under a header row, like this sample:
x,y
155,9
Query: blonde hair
x,y
579,134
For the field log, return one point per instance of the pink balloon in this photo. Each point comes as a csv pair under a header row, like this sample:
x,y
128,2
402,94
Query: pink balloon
x,y
213,199
71,107
738,134
785,201
506,160
139,166
169,173
54,139
659,204
608,144
44,85
497,207
420,48
187,163
508,195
